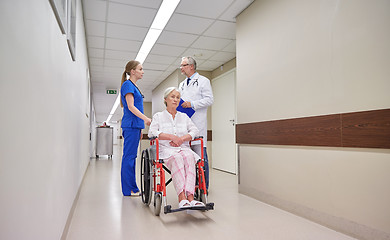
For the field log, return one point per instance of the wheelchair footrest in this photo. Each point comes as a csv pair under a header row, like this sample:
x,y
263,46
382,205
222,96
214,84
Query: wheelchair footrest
x,y
209,206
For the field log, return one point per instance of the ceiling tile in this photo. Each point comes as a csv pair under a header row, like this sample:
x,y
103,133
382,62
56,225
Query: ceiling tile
x,y
210,65
172,68
203,8
96,61
95,9
125,45
231,47
188,24
211,43
114,70
115,63
222,29
126,32
154,66
131,15
95,42
152,58
177,39
223,56
144,3
199,54
160,49
236,8
95,28
149,73
95,53
120,55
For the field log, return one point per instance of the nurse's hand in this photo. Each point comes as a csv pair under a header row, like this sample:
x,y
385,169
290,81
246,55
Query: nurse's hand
x,y
148,121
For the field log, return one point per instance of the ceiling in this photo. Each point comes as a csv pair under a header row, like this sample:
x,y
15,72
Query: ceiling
x,y
115,30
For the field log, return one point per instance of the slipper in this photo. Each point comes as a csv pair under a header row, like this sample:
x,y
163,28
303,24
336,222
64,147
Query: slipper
x,y
195,203
184,204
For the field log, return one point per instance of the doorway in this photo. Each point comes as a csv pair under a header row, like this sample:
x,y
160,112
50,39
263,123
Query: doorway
x,y
223,123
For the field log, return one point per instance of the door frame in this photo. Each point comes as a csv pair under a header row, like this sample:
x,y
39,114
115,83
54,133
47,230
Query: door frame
x,y
234,70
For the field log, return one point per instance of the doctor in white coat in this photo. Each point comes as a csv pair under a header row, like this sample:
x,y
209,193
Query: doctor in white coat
x,y
197,94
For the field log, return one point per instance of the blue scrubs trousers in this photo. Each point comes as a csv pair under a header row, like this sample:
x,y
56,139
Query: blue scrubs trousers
x,y
130,146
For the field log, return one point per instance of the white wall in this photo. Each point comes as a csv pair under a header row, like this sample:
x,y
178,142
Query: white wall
x,y
92,130
303,58
44,142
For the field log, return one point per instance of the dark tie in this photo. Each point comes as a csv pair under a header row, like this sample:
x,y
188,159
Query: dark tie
x,y
188,81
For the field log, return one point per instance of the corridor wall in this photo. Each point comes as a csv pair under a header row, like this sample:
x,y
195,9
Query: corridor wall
x,y
44,141
310,58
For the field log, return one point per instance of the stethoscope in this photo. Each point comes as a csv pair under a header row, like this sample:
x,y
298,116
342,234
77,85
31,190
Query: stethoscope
x,y
193,84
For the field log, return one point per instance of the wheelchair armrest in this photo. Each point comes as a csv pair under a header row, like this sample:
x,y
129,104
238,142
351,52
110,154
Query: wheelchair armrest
x,y
198,138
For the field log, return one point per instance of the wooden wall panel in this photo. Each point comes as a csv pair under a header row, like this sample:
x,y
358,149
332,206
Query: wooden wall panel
x,y
313,131
370,129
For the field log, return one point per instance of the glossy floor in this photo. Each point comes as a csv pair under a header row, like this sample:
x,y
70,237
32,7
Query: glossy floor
x,y
103,213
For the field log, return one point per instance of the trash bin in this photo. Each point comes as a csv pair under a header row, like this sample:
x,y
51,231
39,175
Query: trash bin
x,y
104,141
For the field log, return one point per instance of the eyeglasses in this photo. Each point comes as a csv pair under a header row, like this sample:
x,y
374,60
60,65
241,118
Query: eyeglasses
x,y
183,65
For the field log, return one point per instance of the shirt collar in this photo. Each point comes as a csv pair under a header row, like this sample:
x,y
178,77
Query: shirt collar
x,y
192,75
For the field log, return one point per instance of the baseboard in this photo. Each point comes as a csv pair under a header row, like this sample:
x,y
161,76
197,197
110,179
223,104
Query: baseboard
x,y
338,224
70,216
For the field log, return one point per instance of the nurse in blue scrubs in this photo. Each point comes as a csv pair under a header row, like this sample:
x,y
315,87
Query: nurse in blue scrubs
x,y
133,121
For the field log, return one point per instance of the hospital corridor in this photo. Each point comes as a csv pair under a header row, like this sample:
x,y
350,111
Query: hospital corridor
x,y
102,212
290,97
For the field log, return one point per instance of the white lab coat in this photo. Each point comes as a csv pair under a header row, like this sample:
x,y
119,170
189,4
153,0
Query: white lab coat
x,y
200,94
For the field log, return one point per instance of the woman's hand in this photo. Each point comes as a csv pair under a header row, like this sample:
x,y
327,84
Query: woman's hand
x,y
148,121
176,141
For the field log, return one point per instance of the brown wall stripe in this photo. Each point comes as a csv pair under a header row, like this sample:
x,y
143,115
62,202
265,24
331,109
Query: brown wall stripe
x,y
369,129
209,135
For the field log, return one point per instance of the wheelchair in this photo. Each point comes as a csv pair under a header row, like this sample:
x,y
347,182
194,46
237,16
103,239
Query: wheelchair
x,y
153,179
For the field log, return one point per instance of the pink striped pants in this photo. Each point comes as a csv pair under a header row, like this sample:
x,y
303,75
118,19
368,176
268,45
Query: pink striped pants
x,y
182,166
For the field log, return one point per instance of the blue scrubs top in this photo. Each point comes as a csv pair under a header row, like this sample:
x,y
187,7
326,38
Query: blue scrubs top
x,y
129,120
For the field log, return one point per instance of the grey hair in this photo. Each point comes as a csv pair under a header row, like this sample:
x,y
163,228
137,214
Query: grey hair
x,y
168,91
190,60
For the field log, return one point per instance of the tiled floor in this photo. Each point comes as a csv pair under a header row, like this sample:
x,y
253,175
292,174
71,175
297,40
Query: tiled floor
x,y
103,213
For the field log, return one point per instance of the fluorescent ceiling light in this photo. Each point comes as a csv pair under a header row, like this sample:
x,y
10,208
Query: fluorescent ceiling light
x,y
163,15
148,44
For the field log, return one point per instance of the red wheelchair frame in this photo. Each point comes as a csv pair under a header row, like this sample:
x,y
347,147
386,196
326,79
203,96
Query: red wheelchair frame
x,y
153,169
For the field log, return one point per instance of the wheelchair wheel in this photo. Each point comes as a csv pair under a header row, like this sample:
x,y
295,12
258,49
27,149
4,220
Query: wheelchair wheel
x,y
146,178
157,204
196,194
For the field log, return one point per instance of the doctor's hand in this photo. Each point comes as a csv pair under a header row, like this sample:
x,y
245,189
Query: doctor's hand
x,y
186,105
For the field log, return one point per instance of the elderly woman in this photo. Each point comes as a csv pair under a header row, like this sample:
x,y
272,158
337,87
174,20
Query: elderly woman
x,y
174,130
